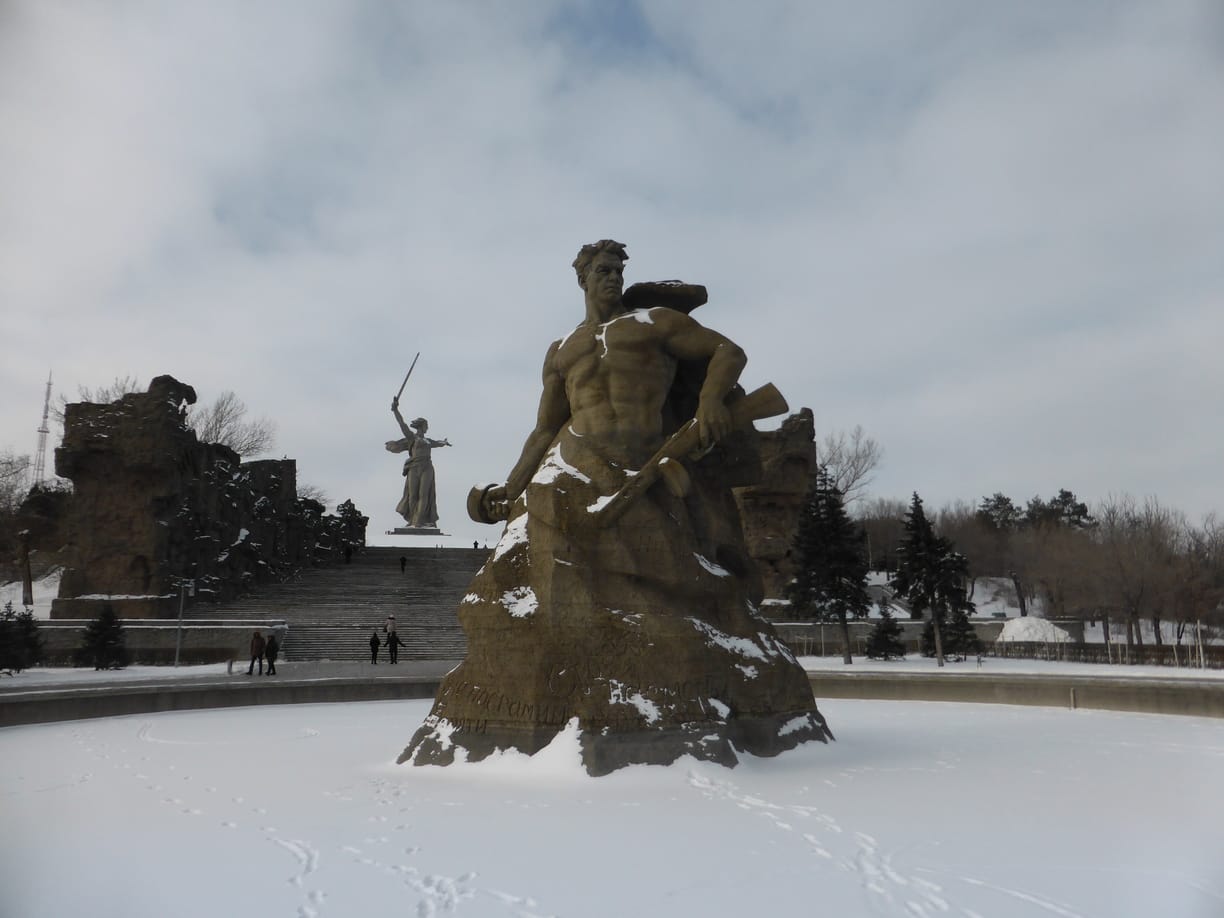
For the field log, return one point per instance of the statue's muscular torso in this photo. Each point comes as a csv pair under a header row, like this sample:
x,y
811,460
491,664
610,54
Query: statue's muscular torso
x,y
608,381
617,375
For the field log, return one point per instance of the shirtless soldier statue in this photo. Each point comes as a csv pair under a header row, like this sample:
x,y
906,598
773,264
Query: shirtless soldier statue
x,y
622,606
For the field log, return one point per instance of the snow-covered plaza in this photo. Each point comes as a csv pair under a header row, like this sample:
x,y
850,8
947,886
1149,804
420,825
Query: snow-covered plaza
x,y
917,810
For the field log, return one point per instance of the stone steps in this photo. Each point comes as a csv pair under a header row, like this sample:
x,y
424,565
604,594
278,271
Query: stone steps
x,y
330,611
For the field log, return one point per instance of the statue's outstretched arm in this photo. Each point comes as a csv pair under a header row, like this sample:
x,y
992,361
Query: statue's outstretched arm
x,y
408,431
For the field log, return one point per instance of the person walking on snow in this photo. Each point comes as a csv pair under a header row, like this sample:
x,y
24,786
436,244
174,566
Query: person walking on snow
x,y
258,645
393,643
271,649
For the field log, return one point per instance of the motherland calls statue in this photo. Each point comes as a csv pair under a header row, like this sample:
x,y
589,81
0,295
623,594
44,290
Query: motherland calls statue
x,y
419,503
620,601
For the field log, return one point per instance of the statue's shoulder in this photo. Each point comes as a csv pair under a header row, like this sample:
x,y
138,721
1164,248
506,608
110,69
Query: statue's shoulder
x,y
575,333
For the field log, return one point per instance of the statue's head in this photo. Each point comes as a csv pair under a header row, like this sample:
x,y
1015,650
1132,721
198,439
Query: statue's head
x,y
420,424
582,263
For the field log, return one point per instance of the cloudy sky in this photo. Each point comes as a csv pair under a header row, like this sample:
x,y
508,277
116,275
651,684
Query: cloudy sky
x,y
990,233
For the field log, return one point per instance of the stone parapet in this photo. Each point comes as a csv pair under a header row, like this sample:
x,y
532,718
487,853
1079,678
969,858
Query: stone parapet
x,y
154,643
338,683
50,706
1143,695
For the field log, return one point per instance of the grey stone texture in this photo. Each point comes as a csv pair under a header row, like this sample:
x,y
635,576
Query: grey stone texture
x,y
770,508
152,505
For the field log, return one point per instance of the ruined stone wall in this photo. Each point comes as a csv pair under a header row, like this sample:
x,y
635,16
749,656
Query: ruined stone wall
x,y
152,506
770,510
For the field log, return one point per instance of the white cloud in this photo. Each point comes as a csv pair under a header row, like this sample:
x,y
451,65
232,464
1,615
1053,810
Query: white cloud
x,y
990,237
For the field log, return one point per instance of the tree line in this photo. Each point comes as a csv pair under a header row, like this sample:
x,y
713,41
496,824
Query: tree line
x,y
1122,561
832,563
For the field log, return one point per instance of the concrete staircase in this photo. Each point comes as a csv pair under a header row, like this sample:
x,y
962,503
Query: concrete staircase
x,y
330,611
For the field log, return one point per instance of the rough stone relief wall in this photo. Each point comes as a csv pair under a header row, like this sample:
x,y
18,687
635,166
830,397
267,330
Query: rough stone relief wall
x,y
770,510
152,505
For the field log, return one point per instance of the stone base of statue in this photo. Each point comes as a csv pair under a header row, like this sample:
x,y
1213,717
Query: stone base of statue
x,y
416,531
651,648
639,694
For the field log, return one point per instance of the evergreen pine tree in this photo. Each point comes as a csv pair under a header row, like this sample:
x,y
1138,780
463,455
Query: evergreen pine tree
x,y
103,645
913,577
931,574
29,639
885,641
960,638
20,643
8,640
831,564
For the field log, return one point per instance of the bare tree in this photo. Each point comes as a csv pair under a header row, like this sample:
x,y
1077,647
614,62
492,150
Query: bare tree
x,y
954,519
313,492
1138,543
850,460
225,421
883,519
13,481
97,395
1198,587
1062,565
14,485
1045,550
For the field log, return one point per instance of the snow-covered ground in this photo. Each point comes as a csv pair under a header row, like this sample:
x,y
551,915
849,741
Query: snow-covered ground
x,y
918,810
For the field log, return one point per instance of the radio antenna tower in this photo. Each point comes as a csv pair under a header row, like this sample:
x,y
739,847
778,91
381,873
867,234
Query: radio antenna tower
x,y
40,456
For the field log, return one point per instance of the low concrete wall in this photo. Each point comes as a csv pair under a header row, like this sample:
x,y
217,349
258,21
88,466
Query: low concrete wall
x,y
1194,697
154,643
815,639
49,706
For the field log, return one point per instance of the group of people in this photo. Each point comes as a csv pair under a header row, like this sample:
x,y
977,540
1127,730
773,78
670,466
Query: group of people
x,y
390,640
267,648
261,650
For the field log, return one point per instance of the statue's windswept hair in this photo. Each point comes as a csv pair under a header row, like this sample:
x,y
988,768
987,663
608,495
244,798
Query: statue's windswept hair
x,y
583,262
